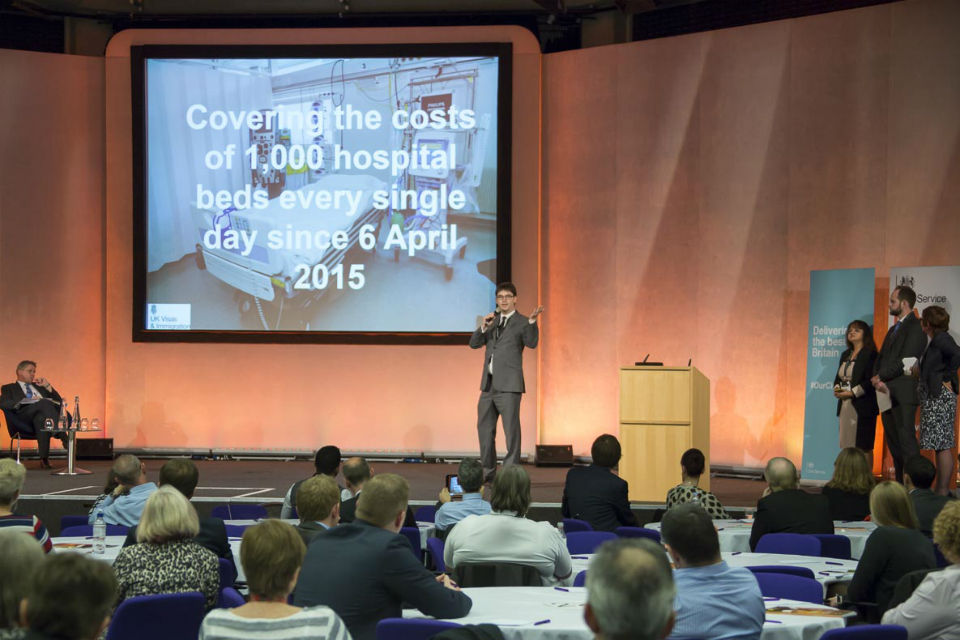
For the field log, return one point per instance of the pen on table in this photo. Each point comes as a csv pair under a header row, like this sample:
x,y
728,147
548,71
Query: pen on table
x,y
579,557
562,589
773,621
769,598
541,622
839,564
736,553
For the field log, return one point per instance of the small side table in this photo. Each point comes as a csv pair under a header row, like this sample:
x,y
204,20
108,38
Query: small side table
x,y
71,469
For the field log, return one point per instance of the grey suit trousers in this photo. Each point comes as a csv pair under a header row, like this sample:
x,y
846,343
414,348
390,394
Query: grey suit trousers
x,y
506,405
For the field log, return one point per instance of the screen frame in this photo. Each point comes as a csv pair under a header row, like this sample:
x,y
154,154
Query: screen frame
x,y
139,55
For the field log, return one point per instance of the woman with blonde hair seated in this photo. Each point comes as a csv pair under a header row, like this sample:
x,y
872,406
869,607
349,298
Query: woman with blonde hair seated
x,y
12,475
848,491
166,559
272,553
894,549
932,611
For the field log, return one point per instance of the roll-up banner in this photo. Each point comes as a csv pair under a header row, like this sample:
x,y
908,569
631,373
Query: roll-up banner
x,y
837,297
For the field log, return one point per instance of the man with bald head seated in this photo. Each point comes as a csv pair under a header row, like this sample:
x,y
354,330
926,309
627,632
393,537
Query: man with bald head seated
x,y
714,600
356,472
630,591
784,508
364,570
125,504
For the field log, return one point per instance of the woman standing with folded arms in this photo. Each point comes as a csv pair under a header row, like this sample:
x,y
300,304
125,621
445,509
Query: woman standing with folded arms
x,y
937,371
856,397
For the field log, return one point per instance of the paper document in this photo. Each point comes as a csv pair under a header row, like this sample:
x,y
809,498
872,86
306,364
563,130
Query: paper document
x,y
908,365
883,401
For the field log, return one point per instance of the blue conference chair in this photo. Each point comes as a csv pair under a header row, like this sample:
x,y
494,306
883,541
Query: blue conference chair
x,y
803,572
230,598
239,511
158,617
587,541
87,530
572,525
435,548
638,532
867,632
426,513
798,544
228,572
411,628
833,546
413,535
73,521
235,530
782,585
581,579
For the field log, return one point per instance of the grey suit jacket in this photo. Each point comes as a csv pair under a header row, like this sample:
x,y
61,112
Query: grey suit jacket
x,y
506,352
908,341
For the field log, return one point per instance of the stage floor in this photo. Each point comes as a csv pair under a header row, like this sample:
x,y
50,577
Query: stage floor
x,y
266,482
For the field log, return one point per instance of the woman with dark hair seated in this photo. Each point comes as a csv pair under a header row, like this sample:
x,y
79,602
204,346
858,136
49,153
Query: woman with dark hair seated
x,y
848,491
506,535
932,611
166,559
692,464
894,549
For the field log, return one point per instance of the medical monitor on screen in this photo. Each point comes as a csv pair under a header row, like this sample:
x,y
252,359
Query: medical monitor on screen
x,y
319,193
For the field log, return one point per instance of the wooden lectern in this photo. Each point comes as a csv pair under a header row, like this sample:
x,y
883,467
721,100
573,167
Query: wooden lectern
x,y
663,412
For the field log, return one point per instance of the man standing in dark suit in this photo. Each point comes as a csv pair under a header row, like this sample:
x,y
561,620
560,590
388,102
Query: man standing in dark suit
x,y
595,494
33,400
182,475
784,508
505,333
918,475
892,376
365,570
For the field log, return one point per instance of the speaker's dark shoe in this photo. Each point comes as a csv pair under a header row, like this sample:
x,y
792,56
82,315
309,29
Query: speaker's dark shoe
x,y
45,464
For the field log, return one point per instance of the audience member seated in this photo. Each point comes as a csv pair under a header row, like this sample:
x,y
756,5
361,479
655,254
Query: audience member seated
x,y
364,570
932,611
714,600
182,475
70,598
692,464
326,462
12,475
356,472
784,508
630,591
166,559
506,535
918,475
595,494
896,547
20,557
318,505
452,511
848,491
125,504
272,553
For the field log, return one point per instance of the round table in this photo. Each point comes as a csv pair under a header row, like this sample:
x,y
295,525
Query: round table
x,y
552,613
735,534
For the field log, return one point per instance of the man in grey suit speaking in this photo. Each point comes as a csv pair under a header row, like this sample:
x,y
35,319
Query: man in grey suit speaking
x,y
505,334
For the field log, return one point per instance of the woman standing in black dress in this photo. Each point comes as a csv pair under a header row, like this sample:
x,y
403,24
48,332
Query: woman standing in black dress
x,y
856,397
937,371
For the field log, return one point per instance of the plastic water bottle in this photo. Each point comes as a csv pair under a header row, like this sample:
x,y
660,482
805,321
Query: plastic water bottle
x,y
99,534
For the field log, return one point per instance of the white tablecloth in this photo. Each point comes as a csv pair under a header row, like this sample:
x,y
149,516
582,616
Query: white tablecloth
x,y
827,571
735,534
427,529
549,613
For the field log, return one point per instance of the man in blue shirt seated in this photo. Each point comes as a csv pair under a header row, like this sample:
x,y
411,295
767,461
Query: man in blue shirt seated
x,y
714,600
470,476
125,504
630,591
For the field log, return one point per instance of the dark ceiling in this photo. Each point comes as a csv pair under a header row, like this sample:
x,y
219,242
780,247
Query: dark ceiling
x,y
558,24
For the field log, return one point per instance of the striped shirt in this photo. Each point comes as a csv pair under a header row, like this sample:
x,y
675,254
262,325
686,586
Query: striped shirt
x,y
320,623
30,525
